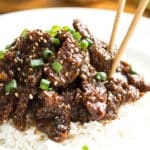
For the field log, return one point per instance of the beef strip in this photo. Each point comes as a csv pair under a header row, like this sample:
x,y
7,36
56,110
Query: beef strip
x,y
71,58
53,117
82,29
119,92
100,57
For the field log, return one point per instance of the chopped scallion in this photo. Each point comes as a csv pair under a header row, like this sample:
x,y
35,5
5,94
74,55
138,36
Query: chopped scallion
x,y
84,44
132,71
90,42
24,33
47,53
2,54
85,147
56,66
101,76
36,63
66,28
44,84
12,85
56,41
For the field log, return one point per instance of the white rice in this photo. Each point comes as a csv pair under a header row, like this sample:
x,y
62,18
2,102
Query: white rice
x,y
130,131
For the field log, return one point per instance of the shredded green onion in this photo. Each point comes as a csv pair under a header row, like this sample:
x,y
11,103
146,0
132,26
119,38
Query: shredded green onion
x,y
36,63
56,66
101,76
12,85
44,84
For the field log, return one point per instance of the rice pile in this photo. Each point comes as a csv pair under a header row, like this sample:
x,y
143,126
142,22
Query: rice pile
x,y
130,131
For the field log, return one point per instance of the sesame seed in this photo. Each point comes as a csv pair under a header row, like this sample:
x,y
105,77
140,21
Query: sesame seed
x,y
30,37
1,84
16,94
66,74
30,96
36,44
55,83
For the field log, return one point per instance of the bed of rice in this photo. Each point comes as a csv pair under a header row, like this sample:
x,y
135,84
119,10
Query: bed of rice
x,y
130,131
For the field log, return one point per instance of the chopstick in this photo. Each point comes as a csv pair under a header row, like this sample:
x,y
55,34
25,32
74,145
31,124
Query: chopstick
x,y
137,16
121,5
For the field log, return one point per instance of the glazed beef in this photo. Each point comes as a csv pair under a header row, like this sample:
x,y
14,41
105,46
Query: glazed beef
x,y
71,58
53,117
54,83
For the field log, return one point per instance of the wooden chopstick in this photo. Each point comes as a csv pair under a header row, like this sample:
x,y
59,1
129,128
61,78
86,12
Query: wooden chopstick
x,y
137,16
121,5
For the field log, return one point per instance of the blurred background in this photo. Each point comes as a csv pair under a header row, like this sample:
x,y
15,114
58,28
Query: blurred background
x,y
15,5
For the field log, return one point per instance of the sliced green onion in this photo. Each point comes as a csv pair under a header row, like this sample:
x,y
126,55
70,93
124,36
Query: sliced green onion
x,y
101,76
56,41
53,30
84,44
90,42
56,66
66,28
132,71
75,34
2,54
44,84
53,33
47,53
56,28
12,85
24,33
36,63
85,147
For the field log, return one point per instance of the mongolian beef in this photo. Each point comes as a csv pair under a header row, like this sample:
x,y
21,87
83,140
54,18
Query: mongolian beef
x,y
60,76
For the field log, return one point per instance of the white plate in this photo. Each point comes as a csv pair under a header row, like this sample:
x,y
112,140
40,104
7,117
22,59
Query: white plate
x,y
99,21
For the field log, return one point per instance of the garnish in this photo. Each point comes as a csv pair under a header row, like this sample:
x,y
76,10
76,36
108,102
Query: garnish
x,y
101,76
36,63
47,53
12,85
56,66
44,84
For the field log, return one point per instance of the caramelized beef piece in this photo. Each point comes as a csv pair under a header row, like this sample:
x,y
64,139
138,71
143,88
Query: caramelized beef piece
x,y
71,58
95,97
79,112
87,70
119,92
82,29
53,117
24,94
100,57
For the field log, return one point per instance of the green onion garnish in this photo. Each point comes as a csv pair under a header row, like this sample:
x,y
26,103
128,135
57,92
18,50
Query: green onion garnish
x,y
75,34
44,84
12,85
56,41
47,53
2,54
53,30
84,44
36,63
24,33
66,28
101,76
90,42
132,71
56,66
85,147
